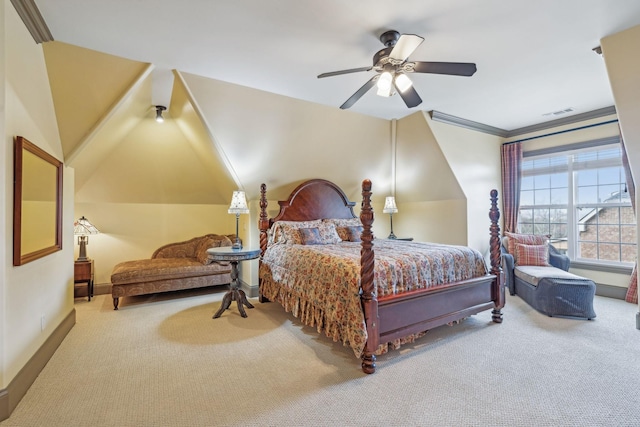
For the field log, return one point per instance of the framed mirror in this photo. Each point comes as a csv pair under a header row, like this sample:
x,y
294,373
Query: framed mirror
x,y
37,203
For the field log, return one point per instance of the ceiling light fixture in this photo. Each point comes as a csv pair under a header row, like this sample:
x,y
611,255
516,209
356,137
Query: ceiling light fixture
x,y
159,110
403,83
384,84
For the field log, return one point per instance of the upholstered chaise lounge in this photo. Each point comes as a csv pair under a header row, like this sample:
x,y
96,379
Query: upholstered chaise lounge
x,y
539,274
176,266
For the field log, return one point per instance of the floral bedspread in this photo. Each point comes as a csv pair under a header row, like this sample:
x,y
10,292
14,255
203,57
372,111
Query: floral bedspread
x,y
320,284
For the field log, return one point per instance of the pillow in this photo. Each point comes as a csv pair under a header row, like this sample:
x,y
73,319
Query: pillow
x,y
343,233
328,233
343,222
341,225
310,236
287,231
533,254
355,233
524,239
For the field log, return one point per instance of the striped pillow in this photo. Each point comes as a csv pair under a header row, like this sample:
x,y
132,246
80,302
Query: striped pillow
x,y
532,254
524,239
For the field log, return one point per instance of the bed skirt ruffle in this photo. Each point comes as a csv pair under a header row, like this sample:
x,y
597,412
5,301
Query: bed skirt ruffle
x,y
314,316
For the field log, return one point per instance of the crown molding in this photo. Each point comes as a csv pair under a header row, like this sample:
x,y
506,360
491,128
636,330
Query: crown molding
x,y
33,20
438,116
469,124
589,115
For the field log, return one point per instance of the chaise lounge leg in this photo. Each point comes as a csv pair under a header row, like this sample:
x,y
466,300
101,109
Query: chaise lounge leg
x,y
115,303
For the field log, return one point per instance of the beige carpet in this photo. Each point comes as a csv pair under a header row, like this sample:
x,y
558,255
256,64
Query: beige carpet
x,y
162,361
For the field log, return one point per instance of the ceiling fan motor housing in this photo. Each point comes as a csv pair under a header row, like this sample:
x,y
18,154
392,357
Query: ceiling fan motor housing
x,y
389,38
381,58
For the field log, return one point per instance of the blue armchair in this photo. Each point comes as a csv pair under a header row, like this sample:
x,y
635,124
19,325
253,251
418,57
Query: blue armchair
x,y
556,259
550,290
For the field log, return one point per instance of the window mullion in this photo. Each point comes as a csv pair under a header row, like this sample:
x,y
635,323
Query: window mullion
x,y
571,212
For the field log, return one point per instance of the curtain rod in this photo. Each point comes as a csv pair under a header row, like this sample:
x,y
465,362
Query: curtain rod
x,y
562,131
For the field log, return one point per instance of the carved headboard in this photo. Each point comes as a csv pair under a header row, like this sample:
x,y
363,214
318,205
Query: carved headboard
x,y
315,199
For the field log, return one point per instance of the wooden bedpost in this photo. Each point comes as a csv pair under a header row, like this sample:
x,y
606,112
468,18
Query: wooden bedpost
x,y
494,250
263,225
367,285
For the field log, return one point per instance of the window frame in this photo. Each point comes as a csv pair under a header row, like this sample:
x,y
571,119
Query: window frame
x,y
572,204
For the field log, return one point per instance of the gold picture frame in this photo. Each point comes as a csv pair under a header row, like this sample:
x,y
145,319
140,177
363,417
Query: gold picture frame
x,y
37,203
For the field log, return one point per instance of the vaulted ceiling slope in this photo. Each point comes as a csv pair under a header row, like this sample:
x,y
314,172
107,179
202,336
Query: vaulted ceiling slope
x,y
119,152
534,58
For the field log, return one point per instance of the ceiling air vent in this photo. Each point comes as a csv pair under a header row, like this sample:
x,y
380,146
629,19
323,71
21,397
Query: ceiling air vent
x,y
560,112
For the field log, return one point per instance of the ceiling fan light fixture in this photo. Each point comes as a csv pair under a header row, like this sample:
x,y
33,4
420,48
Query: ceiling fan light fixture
x,y
159,110
403,83
384,84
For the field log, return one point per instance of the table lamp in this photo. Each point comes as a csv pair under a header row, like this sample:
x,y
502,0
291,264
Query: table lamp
x,y
238,206
390,208
82,228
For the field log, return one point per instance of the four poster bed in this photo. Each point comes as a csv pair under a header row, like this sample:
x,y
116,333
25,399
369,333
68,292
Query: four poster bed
x,y
321,263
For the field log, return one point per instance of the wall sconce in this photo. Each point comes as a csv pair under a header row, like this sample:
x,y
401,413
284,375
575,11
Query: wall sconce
x,y
238,206
82,228
390,208
159,110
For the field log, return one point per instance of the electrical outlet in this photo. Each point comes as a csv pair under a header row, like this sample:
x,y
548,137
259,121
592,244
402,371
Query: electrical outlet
x,y
42,322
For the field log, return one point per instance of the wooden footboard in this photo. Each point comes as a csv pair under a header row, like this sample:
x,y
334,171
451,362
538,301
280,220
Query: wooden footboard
x,y
397,316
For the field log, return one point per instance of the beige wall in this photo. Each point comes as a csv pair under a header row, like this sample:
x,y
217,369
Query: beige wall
x,y
441,221
6,178
444,176
620,52
431,205
474,158
42,288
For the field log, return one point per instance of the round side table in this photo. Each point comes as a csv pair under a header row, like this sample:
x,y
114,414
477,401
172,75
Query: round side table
x,y
234,256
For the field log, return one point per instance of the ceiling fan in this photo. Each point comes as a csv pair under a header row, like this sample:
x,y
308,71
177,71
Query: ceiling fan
x,y
392,67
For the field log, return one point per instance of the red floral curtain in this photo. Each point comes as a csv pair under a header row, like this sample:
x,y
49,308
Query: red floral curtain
x,y
632,292
511,168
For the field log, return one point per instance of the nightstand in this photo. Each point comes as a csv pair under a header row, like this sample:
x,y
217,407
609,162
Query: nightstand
x,y
83,273
234,256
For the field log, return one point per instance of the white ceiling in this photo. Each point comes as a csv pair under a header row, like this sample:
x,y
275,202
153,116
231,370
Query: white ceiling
x,y
533,57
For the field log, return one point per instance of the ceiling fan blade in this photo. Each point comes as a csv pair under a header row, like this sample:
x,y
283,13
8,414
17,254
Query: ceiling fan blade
x,y
337,73
452,68
356,96
409,96
405,46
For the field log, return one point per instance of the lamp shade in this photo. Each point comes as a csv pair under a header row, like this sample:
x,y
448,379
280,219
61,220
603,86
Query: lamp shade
x,y
82,227
390,205
238,203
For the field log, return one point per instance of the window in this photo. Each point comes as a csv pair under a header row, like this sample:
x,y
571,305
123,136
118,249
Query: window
x,y
580,199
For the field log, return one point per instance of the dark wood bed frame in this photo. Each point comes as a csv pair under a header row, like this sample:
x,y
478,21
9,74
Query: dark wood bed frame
x,y
394,316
